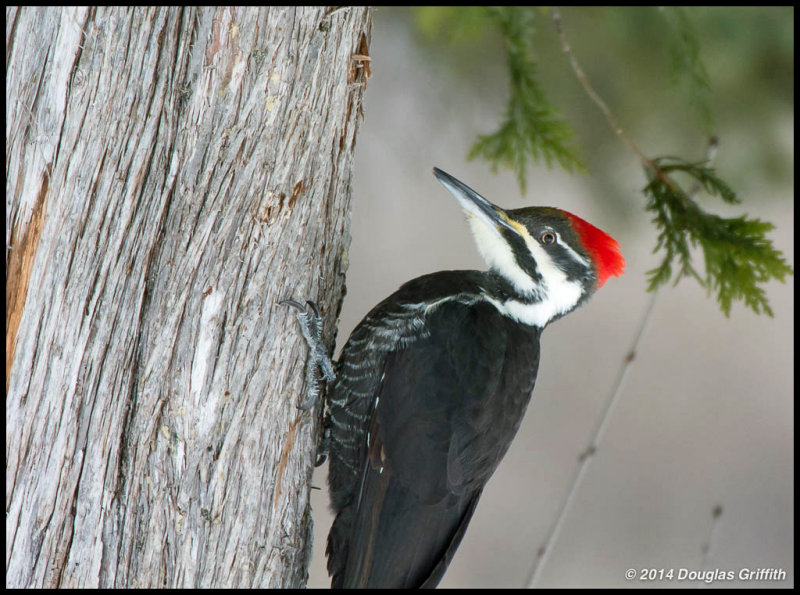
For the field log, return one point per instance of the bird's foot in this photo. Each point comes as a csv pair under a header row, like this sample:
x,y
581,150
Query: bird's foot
x,y
319,367
311,328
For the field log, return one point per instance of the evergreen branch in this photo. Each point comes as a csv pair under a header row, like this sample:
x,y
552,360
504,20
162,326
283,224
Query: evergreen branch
x,y
532,128
588,455
737,255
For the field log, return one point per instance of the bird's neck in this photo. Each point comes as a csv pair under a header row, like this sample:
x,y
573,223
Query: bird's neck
x,y
538,307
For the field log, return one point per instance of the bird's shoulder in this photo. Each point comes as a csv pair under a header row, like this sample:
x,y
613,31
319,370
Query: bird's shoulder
x,y
401,316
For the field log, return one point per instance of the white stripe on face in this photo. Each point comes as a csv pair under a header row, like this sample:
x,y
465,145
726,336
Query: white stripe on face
x,y
494,248
498,255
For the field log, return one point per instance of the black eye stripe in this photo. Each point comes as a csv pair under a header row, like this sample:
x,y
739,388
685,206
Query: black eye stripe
x,y
522,254
564,257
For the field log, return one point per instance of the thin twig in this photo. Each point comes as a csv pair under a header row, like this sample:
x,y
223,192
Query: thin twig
x,y
587,455
708,546
585,459
590,90
612,120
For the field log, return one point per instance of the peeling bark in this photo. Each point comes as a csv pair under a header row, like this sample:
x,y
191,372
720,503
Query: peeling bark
x,y
172,173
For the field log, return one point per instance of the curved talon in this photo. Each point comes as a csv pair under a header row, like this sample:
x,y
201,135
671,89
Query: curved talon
x,y
314,308
323,444
293,303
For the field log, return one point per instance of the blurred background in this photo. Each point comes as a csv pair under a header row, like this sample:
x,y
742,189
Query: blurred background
x,y
705,418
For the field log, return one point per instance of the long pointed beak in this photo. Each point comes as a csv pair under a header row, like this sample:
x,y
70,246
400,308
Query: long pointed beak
x,y
473,203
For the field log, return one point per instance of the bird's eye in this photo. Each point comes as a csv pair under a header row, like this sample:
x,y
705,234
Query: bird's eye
x,y
548,238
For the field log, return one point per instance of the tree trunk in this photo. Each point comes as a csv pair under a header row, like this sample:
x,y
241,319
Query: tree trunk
x,y
172,173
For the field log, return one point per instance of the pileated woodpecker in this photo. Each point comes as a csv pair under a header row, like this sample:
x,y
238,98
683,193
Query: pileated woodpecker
x,y
432,384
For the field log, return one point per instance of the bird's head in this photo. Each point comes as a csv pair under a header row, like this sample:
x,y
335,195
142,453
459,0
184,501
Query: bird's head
x,y
551,260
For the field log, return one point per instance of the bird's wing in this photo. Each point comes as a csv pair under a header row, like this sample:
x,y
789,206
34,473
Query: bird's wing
x,y
422,474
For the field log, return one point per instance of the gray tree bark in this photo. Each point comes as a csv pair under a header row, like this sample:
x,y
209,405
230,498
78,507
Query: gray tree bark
x,y
172,173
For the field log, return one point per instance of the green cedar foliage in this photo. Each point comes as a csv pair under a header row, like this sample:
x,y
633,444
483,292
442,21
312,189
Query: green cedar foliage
x,y
737,255
532,128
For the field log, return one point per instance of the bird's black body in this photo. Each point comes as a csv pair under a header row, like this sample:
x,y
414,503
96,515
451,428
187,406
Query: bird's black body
x,y
431,387
451,377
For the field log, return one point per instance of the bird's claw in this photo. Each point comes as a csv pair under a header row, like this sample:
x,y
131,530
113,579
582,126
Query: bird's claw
x,y
323,444
293,304
310,320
